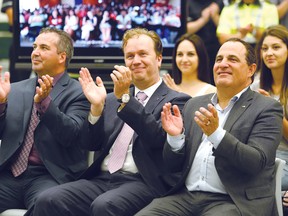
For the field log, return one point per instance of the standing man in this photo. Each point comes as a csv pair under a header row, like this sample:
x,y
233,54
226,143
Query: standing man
x,y
227,151
105,188
40,120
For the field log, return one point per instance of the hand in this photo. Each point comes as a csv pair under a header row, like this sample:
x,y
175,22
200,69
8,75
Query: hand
x,y
243,32
214,9
170,82
207,120
263,92
42,91
122,79
5,86
95,92
172,124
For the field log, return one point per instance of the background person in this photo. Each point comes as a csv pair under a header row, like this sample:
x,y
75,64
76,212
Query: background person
x,y
273,48
203,19
190,68
15,75
247,20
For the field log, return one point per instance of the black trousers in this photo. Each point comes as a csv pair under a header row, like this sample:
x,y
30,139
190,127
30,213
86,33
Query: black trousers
x,y
21,192
115,194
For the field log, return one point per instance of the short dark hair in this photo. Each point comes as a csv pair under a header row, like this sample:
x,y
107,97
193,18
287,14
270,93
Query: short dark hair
x,y
65,42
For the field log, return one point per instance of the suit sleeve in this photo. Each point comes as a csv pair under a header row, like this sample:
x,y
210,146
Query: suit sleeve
x,y
251,154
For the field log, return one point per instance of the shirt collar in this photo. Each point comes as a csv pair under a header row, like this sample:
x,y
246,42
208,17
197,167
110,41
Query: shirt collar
x,y
214,99
149,91
56,78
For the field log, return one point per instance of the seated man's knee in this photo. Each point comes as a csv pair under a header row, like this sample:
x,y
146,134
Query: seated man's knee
x,y
104,207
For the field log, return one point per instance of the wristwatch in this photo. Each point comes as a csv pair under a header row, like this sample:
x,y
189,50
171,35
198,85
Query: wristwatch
x,y
124,99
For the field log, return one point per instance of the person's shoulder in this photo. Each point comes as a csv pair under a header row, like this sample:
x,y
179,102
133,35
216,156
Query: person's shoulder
x,y
264,100
268,5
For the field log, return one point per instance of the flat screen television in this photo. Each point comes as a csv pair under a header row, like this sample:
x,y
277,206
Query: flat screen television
x,y
97,26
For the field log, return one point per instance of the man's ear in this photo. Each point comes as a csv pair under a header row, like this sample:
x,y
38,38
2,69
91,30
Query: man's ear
x,y
252,69
62,57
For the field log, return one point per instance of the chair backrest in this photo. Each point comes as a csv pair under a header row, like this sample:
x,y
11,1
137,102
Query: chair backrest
x,y
90,157
279,165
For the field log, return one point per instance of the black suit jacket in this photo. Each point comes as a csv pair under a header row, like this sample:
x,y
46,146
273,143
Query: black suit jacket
x,y
149,136
55,137
245,158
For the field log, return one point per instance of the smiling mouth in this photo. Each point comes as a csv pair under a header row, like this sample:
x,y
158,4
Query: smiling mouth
x,y
224,73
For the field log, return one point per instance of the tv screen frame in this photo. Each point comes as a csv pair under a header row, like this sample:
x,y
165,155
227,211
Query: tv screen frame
x,y
93,52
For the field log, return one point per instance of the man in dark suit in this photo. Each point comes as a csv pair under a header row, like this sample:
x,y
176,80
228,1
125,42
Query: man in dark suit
x,y
104,189
227,151
32,160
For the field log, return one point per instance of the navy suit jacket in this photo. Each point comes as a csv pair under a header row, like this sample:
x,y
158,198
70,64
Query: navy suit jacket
x,y
148,140
245,158
55,137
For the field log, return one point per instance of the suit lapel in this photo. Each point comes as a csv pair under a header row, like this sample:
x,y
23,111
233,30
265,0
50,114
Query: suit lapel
x,y
239,107
60,86
156,97
28,95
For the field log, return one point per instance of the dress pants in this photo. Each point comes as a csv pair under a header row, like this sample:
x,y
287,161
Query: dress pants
x,y
117,194
186,203
20,192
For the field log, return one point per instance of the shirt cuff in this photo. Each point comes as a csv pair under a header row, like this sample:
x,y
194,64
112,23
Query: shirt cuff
x,y
216,137
93,119
176,142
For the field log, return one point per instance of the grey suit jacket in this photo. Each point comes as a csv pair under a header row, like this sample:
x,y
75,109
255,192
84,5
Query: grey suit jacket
x,y
149,136
245,158
56,135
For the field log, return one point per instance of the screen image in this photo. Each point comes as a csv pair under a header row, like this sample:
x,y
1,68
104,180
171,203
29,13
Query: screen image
x,y
97,27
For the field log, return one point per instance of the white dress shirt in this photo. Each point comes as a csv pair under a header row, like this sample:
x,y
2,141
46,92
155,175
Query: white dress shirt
x,y
129,164
203,175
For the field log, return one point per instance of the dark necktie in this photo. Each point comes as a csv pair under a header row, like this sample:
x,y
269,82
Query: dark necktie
x,y
21,162
122,142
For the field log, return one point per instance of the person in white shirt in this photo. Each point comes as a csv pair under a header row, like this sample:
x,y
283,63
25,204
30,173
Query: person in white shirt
x,y
225,149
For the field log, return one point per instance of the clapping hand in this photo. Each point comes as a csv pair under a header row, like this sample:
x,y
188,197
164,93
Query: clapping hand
x,y
95,92
172,124
170,82
5,86
207,119
42,91
122,79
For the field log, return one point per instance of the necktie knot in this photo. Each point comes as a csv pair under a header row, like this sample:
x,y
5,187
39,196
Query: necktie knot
x,y
141,96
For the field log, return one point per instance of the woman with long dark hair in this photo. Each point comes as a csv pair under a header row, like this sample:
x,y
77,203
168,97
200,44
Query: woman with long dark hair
x,y
190,67
273,65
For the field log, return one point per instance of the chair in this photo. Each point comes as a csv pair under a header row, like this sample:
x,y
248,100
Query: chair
x,y
279,165
21,212
13,212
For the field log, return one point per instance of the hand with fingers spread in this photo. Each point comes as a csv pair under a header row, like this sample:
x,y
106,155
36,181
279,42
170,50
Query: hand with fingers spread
x,y
172,124
263,92
5,86
95,92
207,119
122,79
42,91
169,81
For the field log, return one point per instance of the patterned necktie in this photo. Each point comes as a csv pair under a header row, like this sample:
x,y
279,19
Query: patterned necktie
x,y
21,162
122,142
